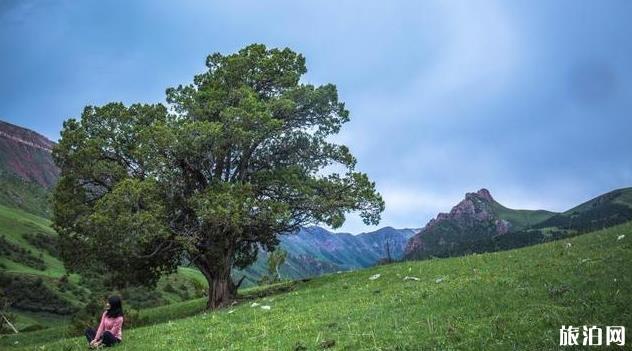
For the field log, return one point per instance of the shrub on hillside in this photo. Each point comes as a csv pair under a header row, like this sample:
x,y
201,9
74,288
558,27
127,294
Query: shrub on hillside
x,y
169,288
183,287
5,303
88,316
199,289
19,254
32,327
33,294
142,297
44,242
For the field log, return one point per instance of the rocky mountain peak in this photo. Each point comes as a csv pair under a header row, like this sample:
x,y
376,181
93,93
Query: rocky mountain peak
x,y
484,193
474,207
476,210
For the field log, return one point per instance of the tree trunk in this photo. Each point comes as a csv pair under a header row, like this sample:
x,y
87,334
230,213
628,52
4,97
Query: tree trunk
x,y
220,293
221,289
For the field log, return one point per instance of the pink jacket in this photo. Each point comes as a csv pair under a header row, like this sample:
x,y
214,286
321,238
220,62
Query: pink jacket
x,y
113,325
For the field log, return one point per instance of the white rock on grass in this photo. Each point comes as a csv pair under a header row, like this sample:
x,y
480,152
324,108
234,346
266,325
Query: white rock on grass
x,y
620,237
266,307
411,278
374,276
254,304
438,280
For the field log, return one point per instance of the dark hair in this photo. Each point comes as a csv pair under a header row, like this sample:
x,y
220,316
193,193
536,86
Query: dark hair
x,y
116,308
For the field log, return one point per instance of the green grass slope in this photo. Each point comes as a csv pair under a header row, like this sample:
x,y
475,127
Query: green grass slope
x,y
621,196
27,196
606,210
15,227
515,299
521,219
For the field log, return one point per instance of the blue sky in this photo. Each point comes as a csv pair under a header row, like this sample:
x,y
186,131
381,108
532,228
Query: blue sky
x,y
530,99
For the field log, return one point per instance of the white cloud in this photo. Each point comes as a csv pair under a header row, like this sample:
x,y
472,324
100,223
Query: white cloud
x,y
406,207
400,198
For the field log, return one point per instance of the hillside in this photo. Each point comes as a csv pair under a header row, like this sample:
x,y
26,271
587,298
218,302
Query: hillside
x,y
34,279
606,210
514,299
27,169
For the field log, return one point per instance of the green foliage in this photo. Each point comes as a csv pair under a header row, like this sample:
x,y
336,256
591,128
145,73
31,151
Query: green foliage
x,y
276,258
239,161
506,300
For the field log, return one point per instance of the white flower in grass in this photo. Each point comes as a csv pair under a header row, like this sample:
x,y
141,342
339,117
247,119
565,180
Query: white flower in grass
x,y
620,237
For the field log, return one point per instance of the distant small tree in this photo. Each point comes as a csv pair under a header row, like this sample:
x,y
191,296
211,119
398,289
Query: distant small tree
x,y
6,317
238,157
276,259
387,249
387,254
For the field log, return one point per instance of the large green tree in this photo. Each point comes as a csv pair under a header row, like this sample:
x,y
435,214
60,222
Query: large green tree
x,y
238,157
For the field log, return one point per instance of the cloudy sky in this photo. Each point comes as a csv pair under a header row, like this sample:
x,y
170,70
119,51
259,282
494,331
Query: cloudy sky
x,y
530,99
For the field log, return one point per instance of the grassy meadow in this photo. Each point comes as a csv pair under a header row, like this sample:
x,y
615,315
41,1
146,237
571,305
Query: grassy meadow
x,y
514,299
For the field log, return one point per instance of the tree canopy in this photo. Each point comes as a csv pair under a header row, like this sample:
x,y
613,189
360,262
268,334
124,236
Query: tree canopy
x,y
238,157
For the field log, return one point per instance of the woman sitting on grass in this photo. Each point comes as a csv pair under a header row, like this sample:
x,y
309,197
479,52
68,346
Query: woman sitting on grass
x,y
110,329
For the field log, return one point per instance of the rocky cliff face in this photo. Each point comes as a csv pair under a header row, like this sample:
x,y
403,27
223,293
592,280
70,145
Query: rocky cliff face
x,y
27,155
473,218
